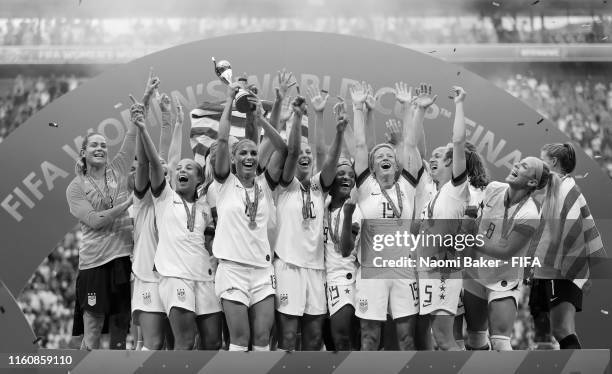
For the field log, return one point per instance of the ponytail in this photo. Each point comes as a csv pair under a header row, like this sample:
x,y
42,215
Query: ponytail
x,y
474,165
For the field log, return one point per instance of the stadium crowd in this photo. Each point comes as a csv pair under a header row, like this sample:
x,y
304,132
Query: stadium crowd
x,y
496,28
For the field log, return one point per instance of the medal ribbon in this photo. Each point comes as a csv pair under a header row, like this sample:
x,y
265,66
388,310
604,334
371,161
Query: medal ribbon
x,y
396,211
507,223
190,216
106,197
252,207
305,202
333,228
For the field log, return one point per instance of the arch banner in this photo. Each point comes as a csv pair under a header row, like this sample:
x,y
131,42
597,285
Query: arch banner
x,y
37,160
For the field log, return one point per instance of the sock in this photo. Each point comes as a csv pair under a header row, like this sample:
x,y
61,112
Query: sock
x,y
500,343
461,344
237,348
144,348
263,348
477,340
570,342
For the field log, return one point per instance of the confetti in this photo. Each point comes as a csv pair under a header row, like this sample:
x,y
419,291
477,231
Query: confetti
x,y
2,309
454,49
541,120
604,311
605,38
37,340
432,51
324,91
117,105
596,157
495,3
520,124
582,176
546,130
452,98
53,124
458,73
586,25
535,2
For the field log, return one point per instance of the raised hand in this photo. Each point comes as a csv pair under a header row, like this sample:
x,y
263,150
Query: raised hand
x,y
394,131
164,103
137,111
458,94
317,100
299,106
256,103
358,93
232,89
370,98
284,84
286,110
424,99
180,114
340,108
153,83
341,123
403,93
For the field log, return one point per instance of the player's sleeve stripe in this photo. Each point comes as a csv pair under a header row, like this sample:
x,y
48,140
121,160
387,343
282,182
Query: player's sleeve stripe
x,y
362,177
141,194
460,179
270,181
157,191
413,181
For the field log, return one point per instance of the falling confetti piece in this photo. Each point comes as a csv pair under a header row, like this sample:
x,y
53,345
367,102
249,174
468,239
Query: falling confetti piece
x,y
541,120
454,49
520,124
118,105
535,2
586,25
582,176
2,309
604,311
546,130
432,51
37,340
596,157
495,3
458,73
605,38
452,98
53,124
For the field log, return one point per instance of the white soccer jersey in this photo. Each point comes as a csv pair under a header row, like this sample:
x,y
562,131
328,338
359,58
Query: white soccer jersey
x,y
491,226
145,238
234,240
374,205
442,215
297,244
340,270
181,252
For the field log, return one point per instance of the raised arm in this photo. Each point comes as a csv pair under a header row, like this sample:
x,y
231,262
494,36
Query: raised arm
x,y
358,96
295,137
270,132
459,162
165,136
175,149
222,161
318,101
328,172
370,104
349,229
141,178
152,84
138,119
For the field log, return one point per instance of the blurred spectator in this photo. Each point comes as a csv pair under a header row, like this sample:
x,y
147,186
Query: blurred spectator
x,y
27,96
125,32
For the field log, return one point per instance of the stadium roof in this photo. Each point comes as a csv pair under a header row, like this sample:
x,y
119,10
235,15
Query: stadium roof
x,y
276,8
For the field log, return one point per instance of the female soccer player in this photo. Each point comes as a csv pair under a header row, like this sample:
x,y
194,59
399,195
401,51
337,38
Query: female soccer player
x,y
386,190
245,278
300,268
147,308
508,221
562,250
98,198
453,169
186,286
340,255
